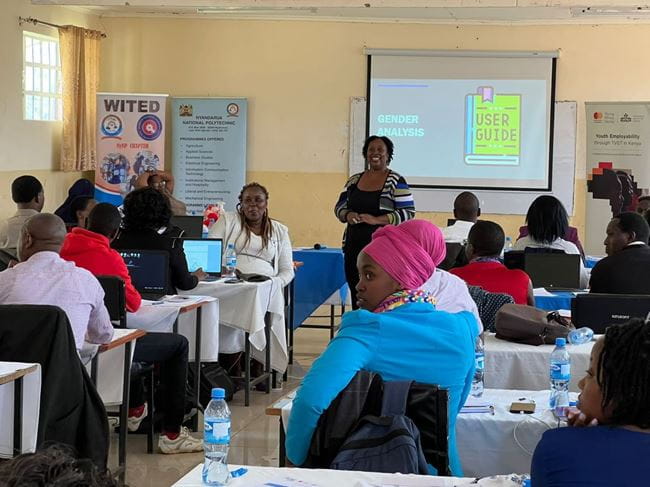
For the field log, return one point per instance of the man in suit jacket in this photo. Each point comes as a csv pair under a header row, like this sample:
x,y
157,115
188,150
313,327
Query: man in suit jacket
x,y
625,269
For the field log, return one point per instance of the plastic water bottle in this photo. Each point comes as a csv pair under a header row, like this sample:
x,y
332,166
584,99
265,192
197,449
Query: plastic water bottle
x,y
231,260
560,375
477,382
581,335
216,439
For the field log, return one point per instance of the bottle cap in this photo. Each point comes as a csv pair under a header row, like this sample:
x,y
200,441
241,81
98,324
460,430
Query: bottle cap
x,y
560,342
218,393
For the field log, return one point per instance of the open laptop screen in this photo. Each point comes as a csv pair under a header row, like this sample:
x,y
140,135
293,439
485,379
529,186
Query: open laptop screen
x,y
191,225
148,269
204,253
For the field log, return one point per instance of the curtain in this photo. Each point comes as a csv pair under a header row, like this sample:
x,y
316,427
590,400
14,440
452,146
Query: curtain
x,y
80,72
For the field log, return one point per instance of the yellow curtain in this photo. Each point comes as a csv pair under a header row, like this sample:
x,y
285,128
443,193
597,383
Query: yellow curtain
x,y
80,73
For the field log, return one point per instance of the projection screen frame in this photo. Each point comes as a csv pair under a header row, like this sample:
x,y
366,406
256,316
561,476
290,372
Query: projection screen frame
x,y
552,55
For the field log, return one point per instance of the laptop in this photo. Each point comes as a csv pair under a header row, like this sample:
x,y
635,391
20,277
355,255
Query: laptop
x,y
555,271
598,311
149,270
192,226
205,253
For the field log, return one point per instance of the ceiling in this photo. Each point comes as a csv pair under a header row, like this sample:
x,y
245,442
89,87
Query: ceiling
x,y
458,11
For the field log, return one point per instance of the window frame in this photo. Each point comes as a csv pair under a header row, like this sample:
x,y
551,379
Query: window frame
x,y
52,69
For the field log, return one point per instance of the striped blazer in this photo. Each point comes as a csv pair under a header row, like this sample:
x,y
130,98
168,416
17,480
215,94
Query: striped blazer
x,y
395,198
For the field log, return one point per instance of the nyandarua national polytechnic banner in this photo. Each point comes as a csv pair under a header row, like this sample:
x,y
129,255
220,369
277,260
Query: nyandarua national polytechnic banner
x,y
208,150
130,140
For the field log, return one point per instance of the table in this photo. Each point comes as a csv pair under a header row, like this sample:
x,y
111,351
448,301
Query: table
x,y
163,317
323,274
108,354
20,398
257,309
487,443
260,476
517,366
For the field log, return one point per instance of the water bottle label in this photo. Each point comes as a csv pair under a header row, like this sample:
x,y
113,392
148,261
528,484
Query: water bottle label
x,y
480,362
216,431
561,371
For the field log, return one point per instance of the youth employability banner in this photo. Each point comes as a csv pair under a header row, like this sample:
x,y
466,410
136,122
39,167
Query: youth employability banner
x,y
130,141
618,164
208,150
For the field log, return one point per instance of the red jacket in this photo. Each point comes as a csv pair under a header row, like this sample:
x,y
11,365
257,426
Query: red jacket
x,y
92,251
494,277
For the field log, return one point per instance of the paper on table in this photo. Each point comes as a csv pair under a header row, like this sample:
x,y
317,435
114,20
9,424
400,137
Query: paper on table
x,y
476,405
542,292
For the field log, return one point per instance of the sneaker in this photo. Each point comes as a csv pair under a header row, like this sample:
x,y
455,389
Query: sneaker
x,y
133,422
184,443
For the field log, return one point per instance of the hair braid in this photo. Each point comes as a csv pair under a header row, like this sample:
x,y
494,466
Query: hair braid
x,y
267,227
624,373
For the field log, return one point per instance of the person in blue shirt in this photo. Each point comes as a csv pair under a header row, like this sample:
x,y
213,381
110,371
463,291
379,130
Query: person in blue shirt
x,y
609,441
397,333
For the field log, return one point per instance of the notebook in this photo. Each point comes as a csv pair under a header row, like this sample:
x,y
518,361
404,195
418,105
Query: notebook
x,y
149,270
204,253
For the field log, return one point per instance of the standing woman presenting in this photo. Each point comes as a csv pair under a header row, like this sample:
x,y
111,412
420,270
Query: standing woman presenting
x,y
370,200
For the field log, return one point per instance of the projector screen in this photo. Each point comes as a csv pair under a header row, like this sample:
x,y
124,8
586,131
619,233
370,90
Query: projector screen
x,y
465,120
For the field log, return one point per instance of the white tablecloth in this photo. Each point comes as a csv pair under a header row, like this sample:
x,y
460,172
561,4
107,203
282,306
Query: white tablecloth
x,y
486,442
110,370
302,477
243,306
160,318
526,367
31,408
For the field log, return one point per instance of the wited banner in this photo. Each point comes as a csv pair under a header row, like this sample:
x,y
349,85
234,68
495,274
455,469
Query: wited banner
x,y
209,150
618,169
130,141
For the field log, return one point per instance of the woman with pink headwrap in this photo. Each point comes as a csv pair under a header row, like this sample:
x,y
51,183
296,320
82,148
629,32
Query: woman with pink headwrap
x,y
397,333
450,291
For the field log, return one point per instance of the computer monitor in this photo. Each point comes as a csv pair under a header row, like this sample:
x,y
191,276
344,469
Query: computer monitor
x,y
204,253
149,270
598,311
191,225
553,270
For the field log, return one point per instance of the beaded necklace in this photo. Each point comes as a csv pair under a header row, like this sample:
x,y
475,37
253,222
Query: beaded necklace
x,y
403,297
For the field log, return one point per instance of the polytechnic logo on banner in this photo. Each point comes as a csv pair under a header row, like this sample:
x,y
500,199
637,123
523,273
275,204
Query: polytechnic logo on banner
x,y
131,141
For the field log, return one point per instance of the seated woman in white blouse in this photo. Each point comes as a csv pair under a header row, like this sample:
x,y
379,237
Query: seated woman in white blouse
x,y
548,222
262,246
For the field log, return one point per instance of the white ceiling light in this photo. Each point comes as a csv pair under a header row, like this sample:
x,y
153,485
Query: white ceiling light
x,y
256,10
610,11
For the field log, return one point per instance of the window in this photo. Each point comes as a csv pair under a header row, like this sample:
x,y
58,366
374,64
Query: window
x,y
41,78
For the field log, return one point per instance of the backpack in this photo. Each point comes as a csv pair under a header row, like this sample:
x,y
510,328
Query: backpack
x,y
388,443
212,375
525,324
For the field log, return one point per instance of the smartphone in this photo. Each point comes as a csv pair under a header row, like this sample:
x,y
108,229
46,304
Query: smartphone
x,y
522,407
234,280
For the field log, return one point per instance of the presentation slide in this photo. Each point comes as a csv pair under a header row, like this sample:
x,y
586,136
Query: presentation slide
x,y
466,132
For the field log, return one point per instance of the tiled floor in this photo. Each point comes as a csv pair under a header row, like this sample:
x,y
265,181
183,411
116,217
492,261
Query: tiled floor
x,y
255,435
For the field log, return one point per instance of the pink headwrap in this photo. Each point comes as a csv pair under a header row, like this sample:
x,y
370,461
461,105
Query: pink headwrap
x,y
401,256
429,237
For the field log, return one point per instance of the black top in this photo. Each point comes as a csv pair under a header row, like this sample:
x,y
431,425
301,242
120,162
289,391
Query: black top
x,y
71,411
179,275
626,272
359,201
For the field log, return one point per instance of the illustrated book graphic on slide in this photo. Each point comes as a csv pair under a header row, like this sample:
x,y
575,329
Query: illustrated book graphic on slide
x,y
492,128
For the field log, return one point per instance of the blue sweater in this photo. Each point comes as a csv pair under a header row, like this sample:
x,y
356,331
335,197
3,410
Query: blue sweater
x,y
591,457
411,342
